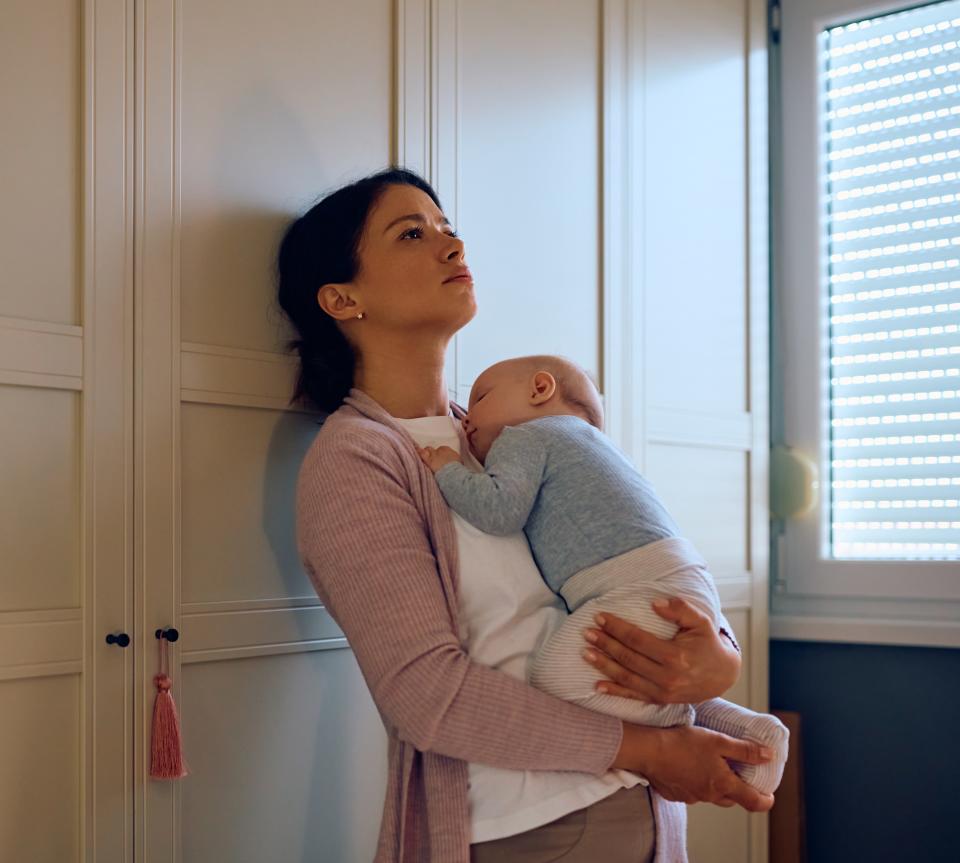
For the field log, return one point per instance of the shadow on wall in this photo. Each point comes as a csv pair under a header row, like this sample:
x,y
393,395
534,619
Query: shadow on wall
x,y
261,152
292,436
347,772
227,257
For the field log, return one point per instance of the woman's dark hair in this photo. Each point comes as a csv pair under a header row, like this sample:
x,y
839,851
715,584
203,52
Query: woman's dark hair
x,y
319,248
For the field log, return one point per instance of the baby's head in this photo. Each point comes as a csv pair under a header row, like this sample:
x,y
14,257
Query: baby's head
x,y
517,390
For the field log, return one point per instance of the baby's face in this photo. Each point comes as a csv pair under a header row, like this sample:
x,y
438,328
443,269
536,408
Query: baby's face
x,y
500,397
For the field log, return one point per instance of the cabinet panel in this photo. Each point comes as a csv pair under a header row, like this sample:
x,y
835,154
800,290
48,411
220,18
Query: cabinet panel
x,y
239,471
715,834
706,491
277,102
528,150
40,754
40,172
281,772
251,112
740,621
40,504
65,220
718,835
695,139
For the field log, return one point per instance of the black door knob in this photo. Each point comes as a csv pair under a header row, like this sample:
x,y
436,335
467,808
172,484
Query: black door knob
x,y
122,639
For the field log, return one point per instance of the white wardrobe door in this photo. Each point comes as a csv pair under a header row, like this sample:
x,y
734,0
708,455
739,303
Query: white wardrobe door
x,y
251,112
610,188
64,432
705,301
528,108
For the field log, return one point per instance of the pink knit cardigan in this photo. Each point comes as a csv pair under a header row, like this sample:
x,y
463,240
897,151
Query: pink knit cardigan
x,y
378,542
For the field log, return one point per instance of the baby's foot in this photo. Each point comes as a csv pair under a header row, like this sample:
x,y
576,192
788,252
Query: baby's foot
x,y
736,721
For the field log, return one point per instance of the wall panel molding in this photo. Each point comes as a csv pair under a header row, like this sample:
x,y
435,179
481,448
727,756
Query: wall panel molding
x,y
757,372
41,353
244,631
735,590
619,346
157,406
41,643
413,85
210,374
691,428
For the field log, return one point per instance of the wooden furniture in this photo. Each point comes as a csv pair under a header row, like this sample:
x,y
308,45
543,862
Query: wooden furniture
x,y
788,832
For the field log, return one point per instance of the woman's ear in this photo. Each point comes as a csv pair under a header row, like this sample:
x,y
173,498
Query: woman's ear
x,y
336,302
542,387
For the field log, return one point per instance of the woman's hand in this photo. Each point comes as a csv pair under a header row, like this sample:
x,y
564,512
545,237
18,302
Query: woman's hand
x,y
436,458
689,764
696,664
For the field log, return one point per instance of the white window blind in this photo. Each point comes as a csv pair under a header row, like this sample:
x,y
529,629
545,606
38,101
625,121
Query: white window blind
x,y
891,177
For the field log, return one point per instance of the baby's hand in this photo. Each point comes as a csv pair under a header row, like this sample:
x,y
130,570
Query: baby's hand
x,y
437,458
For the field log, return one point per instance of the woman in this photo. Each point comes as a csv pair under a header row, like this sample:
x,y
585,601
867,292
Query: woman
x,y
481,766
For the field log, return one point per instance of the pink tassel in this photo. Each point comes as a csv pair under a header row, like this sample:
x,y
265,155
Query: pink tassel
x,y
166,749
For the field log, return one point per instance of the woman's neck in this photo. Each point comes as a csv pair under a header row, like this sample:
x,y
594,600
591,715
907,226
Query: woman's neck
x,y
405,383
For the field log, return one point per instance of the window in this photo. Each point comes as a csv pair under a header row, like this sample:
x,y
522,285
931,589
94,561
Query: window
x,y
891,140
867,312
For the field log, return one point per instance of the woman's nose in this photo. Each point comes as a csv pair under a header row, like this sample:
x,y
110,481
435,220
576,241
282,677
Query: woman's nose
x,y
455,250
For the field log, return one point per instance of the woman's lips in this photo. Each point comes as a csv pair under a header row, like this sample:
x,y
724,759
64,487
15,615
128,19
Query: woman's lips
x,y
461,276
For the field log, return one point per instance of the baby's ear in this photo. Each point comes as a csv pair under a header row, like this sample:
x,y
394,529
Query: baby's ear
x,y
542,387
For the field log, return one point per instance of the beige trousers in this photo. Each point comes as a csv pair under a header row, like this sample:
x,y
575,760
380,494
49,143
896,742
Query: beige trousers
x,y
617,829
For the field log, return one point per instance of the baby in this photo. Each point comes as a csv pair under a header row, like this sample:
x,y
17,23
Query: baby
x,y
601,537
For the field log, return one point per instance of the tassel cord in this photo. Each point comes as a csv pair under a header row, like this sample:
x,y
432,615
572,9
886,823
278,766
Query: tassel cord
x,y
166,749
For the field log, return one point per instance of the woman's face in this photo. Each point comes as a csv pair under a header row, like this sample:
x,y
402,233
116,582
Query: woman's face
x,y
412,273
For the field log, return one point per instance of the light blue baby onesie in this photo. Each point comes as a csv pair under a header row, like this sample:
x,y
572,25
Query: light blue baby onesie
x,y
562,481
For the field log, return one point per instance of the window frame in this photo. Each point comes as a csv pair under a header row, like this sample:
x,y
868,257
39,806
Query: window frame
x,y
814,597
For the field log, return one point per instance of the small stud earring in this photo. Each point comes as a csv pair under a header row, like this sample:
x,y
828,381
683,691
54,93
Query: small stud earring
x,y
360,315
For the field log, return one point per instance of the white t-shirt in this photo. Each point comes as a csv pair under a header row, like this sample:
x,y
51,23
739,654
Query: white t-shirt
x,y
506,612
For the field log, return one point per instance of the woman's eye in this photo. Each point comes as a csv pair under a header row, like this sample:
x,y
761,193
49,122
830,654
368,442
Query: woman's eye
x,y
417,233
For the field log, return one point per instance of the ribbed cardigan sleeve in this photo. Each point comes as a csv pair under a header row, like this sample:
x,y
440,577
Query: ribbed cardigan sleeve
x,y
367,550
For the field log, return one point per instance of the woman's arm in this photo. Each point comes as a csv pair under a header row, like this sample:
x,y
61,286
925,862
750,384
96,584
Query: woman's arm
x,y
371,560
696,664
